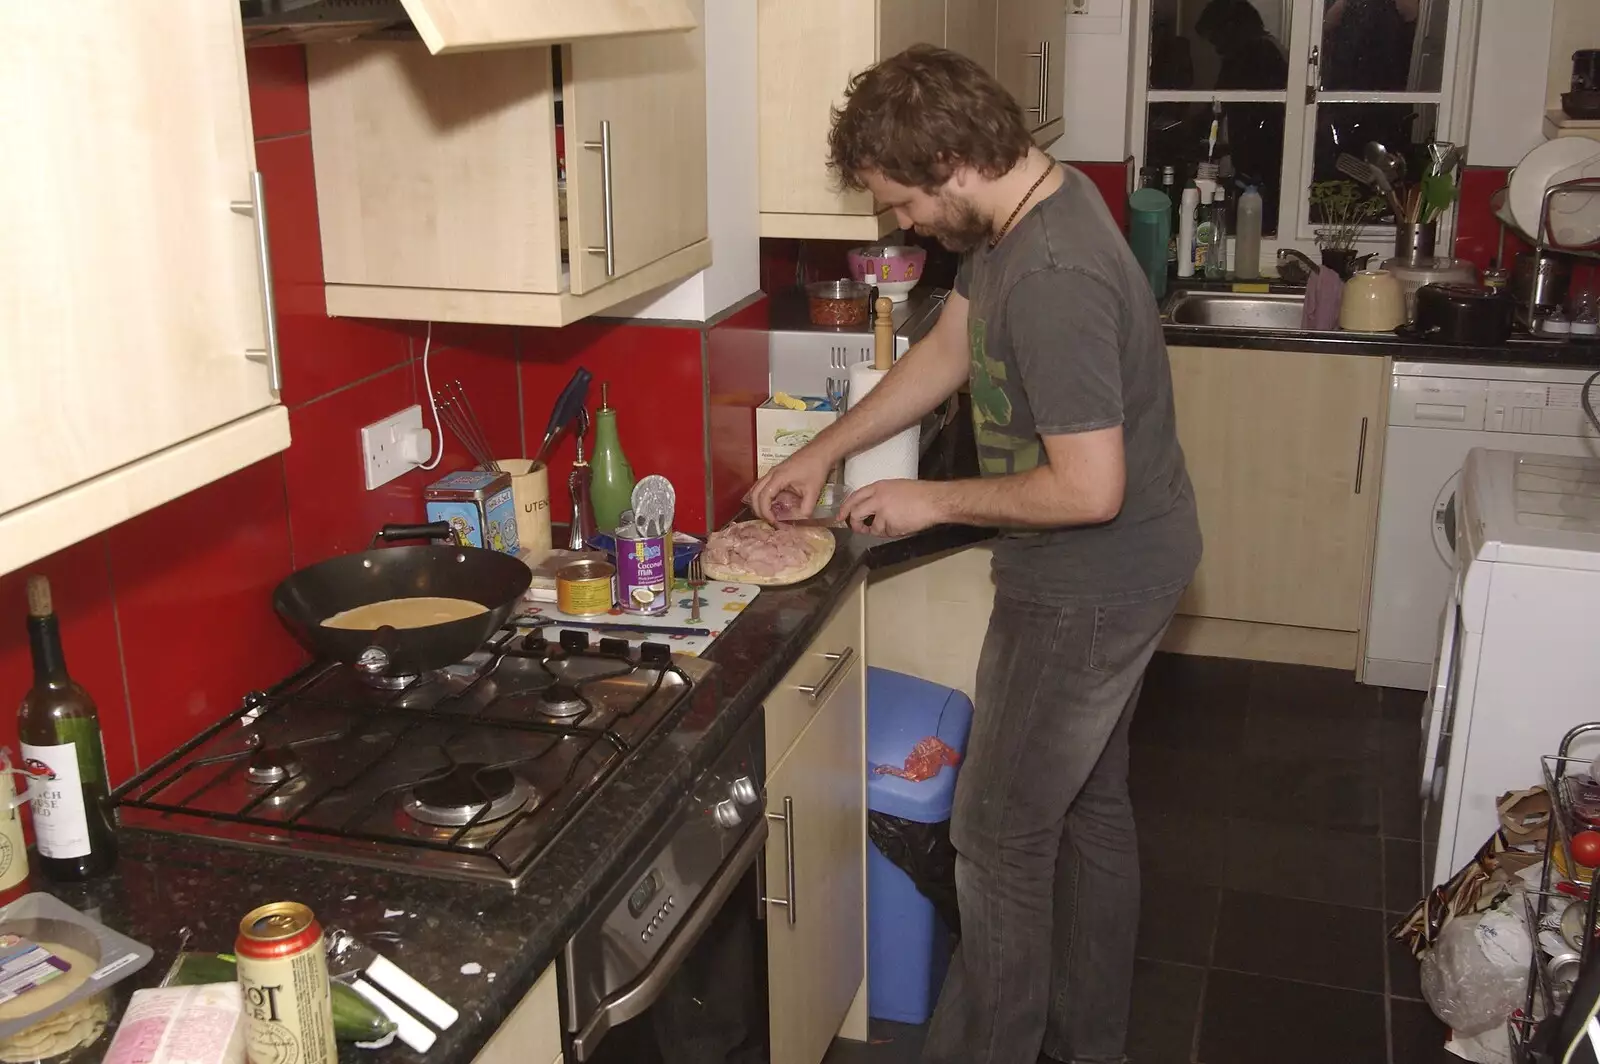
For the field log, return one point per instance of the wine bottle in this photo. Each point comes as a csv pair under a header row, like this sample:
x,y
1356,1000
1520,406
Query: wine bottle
x,y
60,732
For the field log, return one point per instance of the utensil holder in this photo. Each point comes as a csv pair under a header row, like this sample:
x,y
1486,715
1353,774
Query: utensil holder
x,y
1414,242
530,493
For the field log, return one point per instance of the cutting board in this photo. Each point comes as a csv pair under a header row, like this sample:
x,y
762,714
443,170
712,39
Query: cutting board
x,y
720,605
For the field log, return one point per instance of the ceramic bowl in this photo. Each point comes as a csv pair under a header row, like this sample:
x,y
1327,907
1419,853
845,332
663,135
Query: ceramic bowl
x,y
1373,302
894,268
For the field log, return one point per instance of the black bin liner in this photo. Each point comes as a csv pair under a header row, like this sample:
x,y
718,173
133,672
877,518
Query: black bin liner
x,y
923,852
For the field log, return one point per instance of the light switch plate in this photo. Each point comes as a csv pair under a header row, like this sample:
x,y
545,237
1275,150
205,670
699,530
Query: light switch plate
x,y
1099,17
383,453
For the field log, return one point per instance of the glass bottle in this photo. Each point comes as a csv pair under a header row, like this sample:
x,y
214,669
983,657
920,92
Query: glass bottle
x,y
611,477
60,732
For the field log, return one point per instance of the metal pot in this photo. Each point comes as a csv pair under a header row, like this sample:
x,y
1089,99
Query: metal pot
x,y
1462,314
310,596
1540,279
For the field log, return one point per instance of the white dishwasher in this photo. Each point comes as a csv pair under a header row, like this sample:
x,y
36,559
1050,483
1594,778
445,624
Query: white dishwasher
x,y
1439,411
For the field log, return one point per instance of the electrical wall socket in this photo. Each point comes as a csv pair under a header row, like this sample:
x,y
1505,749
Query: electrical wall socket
x,y
383,446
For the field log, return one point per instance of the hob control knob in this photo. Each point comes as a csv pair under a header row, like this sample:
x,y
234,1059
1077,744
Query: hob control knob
x,y
743,791
727,815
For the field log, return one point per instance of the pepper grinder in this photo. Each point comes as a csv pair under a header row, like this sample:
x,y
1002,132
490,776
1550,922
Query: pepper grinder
x,y
580,534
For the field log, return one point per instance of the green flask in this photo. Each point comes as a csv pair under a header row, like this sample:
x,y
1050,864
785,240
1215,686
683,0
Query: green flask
x,y
612,488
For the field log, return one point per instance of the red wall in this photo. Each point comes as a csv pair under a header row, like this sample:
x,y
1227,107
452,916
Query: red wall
x,y
167,619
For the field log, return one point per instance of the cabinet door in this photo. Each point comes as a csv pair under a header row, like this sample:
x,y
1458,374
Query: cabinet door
x,y
474,25
902,23
1282,451
635,115
969,28
815,943
131,286
1029,50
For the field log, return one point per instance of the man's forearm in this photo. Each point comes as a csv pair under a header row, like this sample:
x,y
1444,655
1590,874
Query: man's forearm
x,y
920,380
1039,498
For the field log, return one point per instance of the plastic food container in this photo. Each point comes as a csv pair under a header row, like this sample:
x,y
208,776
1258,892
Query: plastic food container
x,y
838,302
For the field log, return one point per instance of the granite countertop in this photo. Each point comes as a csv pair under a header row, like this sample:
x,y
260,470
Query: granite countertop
x,y
1521,349
165,885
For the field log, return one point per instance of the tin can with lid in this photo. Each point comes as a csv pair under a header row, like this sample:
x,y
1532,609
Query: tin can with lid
x,y
644,573
283,974
586,588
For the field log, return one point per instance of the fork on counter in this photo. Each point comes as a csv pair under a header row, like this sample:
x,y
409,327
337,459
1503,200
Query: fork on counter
x,y
697,581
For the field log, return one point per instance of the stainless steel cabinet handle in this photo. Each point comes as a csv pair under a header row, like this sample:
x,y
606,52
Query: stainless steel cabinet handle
x,y
256,207
1361,455
1043,56
820,690
1044,83
603,146
787,816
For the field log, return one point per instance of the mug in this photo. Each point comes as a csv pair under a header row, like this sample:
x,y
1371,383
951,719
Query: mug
x,y
13,850
1372,302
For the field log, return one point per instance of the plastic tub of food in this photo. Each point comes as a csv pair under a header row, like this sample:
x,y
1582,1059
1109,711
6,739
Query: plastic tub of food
x,y
838,302
59,1017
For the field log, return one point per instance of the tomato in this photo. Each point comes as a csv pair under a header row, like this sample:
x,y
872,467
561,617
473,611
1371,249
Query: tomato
x,y
1586,848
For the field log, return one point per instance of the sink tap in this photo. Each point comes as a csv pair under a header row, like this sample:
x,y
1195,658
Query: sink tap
x,y
1300,257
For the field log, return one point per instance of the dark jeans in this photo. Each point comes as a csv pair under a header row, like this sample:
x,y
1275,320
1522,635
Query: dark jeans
x,y
1047,871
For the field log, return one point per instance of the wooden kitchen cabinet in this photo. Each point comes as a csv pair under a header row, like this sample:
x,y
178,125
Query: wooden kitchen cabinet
x,y
531,1034
474,25
137,357
437,187
970,27
816,855
1283,451
1030,48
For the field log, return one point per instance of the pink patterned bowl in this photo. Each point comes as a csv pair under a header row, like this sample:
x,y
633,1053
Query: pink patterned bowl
x,y
886,263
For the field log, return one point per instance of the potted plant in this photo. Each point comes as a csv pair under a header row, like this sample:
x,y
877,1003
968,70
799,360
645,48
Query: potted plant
x,y
1343,208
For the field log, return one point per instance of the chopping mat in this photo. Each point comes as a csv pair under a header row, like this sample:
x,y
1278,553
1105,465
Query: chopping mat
x,y
720,604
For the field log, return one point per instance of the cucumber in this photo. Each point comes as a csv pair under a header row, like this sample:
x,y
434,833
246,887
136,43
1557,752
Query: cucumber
x,y
355,1019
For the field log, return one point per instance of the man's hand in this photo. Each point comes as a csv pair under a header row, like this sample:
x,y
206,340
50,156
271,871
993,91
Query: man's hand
x,y
895,507
789,490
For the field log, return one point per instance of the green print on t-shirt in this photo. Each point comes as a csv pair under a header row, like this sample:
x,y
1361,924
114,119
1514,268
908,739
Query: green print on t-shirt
x,y
999,451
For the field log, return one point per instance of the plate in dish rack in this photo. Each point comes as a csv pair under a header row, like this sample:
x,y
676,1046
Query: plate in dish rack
x,y
819,543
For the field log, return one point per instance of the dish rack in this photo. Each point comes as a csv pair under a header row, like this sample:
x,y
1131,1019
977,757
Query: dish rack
x,y
1542,240
1544,998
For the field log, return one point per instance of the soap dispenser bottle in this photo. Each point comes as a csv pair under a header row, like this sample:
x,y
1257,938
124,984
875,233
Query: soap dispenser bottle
x,y
611,476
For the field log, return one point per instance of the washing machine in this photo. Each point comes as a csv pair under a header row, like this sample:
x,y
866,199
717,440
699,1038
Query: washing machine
x,y
1438,411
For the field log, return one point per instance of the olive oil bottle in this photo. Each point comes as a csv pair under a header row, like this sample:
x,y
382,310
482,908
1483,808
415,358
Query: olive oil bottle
x,y
60,732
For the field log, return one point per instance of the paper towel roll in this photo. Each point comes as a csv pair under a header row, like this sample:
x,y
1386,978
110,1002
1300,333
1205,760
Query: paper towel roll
x,y
894,458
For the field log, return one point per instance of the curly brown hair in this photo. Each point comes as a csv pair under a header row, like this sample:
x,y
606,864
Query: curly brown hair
x,y
917,116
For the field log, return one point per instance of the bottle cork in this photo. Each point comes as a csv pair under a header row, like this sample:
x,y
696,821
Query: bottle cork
x,y
883,333
39,604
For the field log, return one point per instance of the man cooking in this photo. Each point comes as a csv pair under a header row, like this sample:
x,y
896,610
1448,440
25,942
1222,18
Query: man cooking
x,y
1054,329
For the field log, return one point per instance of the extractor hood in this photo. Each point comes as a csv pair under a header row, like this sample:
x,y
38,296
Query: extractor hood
x,y
458,25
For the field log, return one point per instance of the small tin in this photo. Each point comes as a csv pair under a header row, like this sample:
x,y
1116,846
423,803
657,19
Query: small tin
x,y
644,573
586,588
479,508
283,974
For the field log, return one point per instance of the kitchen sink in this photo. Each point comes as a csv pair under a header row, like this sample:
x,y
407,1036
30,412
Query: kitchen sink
x,y
1275,311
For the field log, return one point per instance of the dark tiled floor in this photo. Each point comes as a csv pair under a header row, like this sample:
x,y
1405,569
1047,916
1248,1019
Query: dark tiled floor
x,y
1278,827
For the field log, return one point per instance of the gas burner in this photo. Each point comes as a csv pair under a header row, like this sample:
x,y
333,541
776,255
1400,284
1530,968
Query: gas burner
x,y
271,765
562,700
387,683
432,690
456,797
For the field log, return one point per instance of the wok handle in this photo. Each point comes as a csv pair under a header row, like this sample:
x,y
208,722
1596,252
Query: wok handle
x,y
436,530
375,659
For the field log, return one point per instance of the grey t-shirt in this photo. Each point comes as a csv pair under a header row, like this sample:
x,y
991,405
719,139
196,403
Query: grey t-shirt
x,y
1065,337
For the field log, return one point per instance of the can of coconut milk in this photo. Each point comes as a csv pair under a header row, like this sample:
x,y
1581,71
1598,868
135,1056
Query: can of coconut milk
x,y
283,973
644,573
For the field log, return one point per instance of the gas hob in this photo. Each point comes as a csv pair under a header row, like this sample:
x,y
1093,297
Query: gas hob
x,y
468,772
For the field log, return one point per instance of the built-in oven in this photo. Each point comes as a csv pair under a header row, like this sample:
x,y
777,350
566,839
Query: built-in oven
x,y
670,965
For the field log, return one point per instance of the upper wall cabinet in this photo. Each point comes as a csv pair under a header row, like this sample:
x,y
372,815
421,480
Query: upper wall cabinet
x,y
808,53
439,188
137,355
447,26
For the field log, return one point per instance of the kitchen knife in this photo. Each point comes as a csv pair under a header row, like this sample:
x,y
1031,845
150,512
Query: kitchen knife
x,y
568,403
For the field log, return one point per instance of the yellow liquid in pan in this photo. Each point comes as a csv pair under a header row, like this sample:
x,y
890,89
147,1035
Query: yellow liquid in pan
x,y
419,612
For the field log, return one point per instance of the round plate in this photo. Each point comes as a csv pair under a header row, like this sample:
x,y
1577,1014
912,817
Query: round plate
x,y
822,547
1536,172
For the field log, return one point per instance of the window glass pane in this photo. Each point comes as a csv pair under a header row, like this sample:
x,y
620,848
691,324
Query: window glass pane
x,y
1219,44
1383,45
1402,128
1249,147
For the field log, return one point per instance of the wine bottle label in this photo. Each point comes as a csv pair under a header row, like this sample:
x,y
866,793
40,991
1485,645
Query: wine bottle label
x,y
60,821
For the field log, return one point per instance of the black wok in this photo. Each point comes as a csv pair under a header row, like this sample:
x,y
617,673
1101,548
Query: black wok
x,y
310,596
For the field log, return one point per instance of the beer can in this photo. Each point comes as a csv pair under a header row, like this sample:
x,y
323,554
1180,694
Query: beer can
x,y
283,973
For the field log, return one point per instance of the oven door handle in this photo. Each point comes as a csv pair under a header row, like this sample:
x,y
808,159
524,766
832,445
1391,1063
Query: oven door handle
x,y
639,995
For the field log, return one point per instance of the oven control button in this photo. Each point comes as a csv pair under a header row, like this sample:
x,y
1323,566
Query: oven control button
x,y
743,791
727,814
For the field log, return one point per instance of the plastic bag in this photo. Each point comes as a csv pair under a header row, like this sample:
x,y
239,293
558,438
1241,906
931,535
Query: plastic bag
x,y
925,853
1476,974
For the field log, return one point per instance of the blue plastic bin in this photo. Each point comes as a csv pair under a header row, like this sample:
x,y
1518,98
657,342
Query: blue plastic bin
x,y
908,946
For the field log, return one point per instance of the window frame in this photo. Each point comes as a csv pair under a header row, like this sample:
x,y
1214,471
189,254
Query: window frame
x,y
1453,99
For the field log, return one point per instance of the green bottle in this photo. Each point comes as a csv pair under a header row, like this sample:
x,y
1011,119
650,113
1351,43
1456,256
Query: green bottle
x,y
612,486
